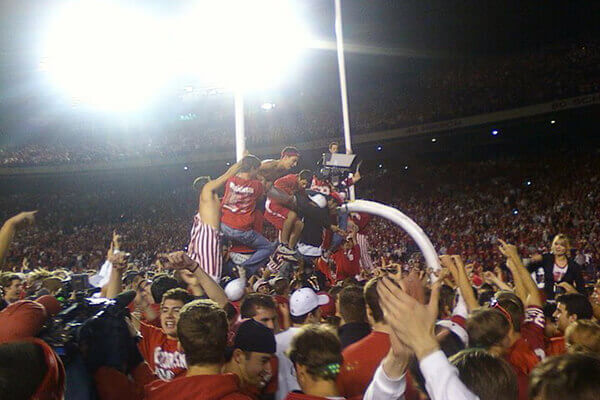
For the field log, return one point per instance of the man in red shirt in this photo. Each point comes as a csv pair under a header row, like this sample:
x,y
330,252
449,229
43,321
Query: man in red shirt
x,y
159,346
281,217
202,332
347,259
238,209
362,358
250,359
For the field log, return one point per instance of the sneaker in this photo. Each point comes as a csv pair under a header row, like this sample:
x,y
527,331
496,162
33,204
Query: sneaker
x,y
284,249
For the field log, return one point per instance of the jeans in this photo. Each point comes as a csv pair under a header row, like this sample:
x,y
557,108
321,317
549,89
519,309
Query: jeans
x,y
342,224
254,240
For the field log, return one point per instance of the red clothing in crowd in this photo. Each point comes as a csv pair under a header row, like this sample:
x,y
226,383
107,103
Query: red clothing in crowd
x,y
522,358
532,330
161,353
302,396
323,266
556,346
347,262
361,359
239,202
198,387
289,184
275,212
362,221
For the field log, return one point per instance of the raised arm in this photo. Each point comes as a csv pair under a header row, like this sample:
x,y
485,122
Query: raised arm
x,y
9,228
213,185
180,260
532,293
457,268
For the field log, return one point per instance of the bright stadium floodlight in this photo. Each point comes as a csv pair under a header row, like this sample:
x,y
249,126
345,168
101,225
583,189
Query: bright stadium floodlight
x,y
105,55
240,44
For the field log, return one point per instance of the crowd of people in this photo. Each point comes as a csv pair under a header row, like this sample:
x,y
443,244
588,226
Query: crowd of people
x,y
276,293
430,93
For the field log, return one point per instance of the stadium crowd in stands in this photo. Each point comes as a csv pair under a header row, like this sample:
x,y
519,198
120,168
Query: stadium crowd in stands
x,y
300,307
440,91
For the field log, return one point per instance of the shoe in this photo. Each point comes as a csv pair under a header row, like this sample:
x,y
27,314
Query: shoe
x,y
284,249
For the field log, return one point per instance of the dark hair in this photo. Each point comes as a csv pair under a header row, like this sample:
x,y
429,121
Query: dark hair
x,y
160,285
177,294
487,376
253,301
305,174
281,285
22,370
332,144
352,304
249,163
290,149
318,348
199,183
487,327
202,331
450,344
569,376
486,293
372,299
7,278
446,300
577,304
513,306
300,319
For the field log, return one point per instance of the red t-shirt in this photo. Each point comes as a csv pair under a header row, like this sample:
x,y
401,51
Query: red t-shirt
x,y
161,353
205,387
522,358
347,262
556,346
361,360
239,202
288,184
362,221
532,330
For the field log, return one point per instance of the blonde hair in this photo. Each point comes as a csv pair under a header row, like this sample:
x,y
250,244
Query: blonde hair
x,y
583,336
561,237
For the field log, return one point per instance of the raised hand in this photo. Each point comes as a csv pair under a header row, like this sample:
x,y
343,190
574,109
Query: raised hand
x,y
410,320
119,260
23,219
178,260
508,250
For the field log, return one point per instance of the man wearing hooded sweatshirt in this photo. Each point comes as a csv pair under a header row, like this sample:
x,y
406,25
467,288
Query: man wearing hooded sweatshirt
x,y
202,332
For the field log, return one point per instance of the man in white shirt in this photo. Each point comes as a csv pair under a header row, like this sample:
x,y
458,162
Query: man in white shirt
x,y
304,309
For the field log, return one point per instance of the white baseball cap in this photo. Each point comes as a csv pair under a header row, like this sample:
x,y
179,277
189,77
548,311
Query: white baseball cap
x,y
235,289
305,300
456,329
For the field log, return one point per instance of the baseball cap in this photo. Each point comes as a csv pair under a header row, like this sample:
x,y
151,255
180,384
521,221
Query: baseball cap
x,y
50,303
21,319
455,328
254,336
260,282
235,289
305,300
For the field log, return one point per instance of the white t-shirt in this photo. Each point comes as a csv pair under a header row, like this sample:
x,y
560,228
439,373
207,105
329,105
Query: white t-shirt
x,y
559,272
286,381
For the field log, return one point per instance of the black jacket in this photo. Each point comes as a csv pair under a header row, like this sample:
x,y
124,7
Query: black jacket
x,y
573,275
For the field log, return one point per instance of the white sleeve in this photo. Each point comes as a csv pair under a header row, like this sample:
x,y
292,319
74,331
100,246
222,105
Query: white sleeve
x,y
383,387
441,379
460,308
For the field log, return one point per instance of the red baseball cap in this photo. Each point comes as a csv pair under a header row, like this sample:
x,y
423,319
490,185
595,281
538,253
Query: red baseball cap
x,y
21,319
